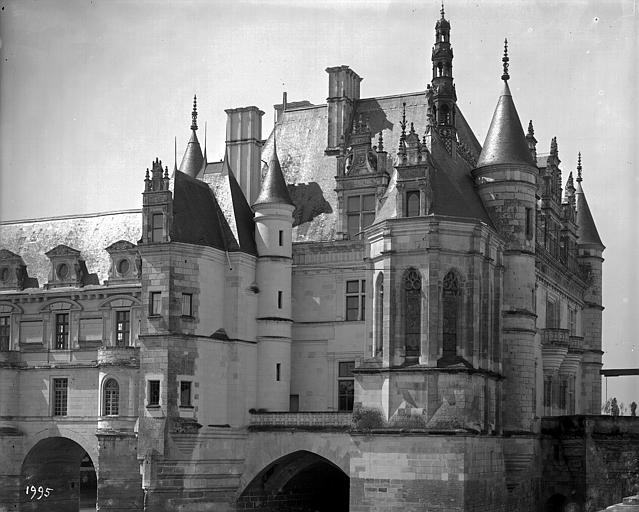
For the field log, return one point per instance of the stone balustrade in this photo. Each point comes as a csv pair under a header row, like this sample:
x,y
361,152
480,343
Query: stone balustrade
x,y
301,420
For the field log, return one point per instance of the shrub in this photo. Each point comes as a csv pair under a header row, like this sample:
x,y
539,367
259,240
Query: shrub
x,y
367,418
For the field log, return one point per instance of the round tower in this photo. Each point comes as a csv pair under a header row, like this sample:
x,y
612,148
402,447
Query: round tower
x,y
590,257
506,177
273,236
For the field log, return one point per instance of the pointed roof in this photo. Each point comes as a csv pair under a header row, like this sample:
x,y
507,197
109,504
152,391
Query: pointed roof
x,y
586,229
192,160
274,188
505,142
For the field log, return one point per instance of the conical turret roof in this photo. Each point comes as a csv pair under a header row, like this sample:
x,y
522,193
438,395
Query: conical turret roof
x,y
505,142
192,160
586,229
274,189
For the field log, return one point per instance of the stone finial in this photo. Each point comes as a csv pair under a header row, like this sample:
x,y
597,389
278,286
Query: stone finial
x,y
194,114
380,143
531,129
579,178
505,77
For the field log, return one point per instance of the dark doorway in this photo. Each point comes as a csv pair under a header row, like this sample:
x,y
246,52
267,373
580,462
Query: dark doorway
x,y
58,474
302,481
556,503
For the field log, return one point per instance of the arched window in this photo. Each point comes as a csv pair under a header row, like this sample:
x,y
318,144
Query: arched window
x,y
412,203
379,315
450,307
440,69
412,312
111,397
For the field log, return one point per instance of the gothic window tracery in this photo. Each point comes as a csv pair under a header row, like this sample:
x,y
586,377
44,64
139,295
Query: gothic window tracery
x,y
412,312
450,298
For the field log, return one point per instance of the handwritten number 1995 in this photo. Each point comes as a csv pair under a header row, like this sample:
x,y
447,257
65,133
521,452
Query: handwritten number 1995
x,y
40,491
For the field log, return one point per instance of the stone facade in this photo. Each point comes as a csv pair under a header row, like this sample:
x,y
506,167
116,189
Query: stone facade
x,y
377,319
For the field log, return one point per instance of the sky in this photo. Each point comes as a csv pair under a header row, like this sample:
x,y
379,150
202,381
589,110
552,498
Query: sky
x,y
92,91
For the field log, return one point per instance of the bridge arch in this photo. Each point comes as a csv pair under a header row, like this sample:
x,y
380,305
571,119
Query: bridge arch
x,y
301,480
58,474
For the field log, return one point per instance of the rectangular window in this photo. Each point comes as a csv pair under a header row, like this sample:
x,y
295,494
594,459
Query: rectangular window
x,y
355,300
529,223
547,396
154,393
278,371
122,328
294,403
185,393
155,303
187,304
552,314
563,394
157,229
281,238
572,321
279,300
360,213
5,333
60,392
345,386
62,331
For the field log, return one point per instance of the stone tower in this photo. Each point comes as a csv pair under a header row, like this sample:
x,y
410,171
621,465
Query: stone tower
x,y
506,177
273,227
590,250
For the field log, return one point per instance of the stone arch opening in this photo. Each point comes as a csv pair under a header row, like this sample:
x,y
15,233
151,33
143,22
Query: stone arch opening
x,y
302,481
58,474
556,503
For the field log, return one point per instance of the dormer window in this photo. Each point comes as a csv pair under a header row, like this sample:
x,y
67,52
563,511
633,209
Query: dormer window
x,y
63,271
360,213
125,262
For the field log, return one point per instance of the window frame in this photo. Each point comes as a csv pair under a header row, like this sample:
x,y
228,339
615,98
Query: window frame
x,y
360,213
360,296
345,376
189,309
63,409
150,392
409,194
126,341
110,398
5,333
157,232
62,337
152,302
182,388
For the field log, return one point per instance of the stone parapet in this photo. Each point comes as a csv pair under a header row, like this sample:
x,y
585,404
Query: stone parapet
x,y
119,356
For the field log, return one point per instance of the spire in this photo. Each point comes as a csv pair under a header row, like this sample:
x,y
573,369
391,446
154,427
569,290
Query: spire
x,y
505,142
586,229
442,11
204,158
553,146
192,160
380,143
274,188
175,154
402,137
505,77
532,142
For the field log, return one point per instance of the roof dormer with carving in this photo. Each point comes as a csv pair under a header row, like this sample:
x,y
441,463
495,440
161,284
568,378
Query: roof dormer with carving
x,y
68,268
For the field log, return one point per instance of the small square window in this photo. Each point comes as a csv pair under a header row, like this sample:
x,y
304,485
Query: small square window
x,y
278,371
154,393
281,238
279,300
185,393
345,386
355,300
187,304
5,333
155,303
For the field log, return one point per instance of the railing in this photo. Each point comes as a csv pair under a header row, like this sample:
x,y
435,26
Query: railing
x,y
301,420
553,336
575,343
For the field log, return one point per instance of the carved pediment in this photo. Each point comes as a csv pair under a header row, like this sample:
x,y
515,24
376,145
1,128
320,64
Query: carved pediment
x,y
6,256
120,245
62,250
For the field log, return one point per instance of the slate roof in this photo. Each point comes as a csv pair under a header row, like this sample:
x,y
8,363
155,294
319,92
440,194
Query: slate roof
x,y
273,188
197,216
505,141
586,229
310,174
192,161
